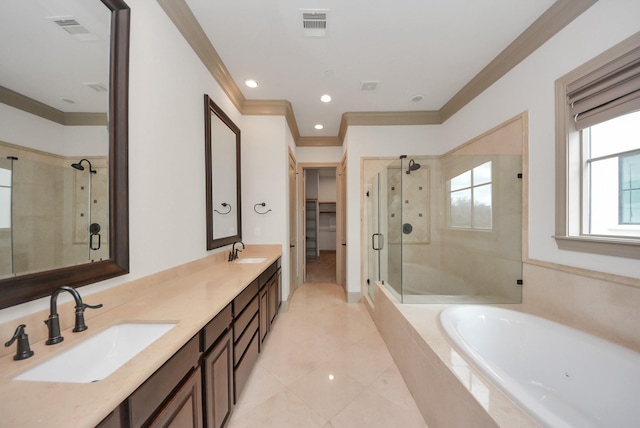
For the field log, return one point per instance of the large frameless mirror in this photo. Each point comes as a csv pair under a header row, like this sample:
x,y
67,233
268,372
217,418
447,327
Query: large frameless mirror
x,y
63,145
222,167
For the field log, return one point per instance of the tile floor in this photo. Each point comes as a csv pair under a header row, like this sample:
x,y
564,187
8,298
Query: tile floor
x,y
325,365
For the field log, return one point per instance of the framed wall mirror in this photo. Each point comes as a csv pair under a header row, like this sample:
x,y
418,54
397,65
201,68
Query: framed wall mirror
x,y
222,175
64,217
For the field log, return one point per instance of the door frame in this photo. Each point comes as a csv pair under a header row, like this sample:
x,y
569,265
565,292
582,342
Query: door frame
x,y
302,166
294,272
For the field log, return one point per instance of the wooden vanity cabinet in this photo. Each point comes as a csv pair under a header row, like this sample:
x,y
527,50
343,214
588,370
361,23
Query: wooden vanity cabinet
x,y
270,298
217,369
263,296
200,384
115,419
246,335
172,394
184,409
275,297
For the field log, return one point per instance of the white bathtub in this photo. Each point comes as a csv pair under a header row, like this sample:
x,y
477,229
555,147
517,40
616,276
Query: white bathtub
x,y
561,376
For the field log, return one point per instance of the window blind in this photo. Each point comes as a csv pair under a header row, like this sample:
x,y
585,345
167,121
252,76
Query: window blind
x,y
608,92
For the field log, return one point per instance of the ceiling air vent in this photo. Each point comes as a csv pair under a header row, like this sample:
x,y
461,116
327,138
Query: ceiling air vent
x,y
73,27
314,23
368,86
97,86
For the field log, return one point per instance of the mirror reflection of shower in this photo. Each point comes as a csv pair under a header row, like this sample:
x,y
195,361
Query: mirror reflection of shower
x,y
6,217
79,166
413,166
93,229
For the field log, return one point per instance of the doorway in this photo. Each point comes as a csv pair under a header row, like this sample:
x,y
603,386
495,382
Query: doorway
x,y
320,223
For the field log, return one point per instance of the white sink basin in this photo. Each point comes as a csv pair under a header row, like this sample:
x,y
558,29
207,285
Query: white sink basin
x,y
100,355
251,260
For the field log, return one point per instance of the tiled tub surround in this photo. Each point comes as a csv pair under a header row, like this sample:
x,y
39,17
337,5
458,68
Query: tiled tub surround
x,y
449,392
191,294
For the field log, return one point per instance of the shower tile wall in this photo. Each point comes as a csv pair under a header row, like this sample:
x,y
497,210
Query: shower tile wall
x,y
437,262
43,213
37,215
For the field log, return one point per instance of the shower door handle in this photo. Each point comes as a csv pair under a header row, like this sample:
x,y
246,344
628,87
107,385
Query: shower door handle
x,y
380,241
94,230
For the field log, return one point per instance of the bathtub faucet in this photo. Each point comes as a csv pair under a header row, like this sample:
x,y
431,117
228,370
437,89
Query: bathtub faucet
x,y
53,322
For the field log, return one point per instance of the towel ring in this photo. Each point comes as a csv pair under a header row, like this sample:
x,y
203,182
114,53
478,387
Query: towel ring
x,y
262,204
224,204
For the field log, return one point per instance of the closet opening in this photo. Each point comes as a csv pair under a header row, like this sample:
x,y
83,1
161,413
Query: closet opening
x,y
320,225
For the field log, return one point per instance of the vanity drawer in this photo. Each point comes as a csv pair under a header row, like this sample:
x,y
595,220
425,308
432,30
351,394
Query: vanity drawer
x,y
144,402
244,298
216,327
243,341
268,273
245,318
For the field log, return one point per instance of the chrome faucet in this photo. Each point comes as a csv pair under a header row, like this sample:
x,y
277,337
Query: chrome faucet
x,y
234,251
53,322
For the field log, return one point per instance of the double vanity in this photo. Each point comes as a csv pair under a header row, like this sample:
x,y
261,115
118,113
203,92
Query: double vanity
x,y
172,349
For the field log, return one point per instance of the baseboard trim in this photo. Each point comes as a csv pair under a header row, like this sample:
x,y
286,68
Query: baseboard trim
x,y
353,297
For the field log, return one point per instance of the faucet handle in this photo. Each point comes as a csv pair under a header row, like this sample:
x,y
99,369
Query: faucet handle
x,y
24,350
80,325
85,306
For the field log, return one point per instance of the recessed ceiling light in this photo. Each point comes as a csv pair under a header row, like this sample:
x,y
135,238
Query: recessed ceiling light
x,y
319,126
417,98
251,83
325,98
69,100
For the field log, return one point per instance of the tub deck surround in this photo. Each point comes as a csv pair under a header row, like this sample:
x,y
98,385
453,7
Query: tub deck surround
x,y
448,391
189,297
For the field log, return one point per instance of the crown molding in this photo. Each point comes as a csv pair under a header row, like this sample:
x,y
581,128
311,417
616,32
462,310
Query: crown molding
x,y
387,118
273,108
37,108
318,142
185,21
85,119
560,14
554,19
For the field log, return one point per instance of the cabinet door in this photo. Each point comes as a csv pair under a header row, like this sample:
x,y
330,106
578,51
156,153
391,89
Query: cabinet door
x,y
218,382
184,410
114,420
264,315
274,296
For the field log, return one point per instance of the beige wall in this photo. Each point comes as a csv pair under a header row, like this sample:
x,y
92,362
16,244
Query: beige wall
x,y
600,304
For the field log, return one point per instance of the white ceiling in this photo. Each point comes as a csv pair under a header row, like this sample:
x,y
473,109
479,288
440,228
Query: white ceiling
x,y
42,61
411,47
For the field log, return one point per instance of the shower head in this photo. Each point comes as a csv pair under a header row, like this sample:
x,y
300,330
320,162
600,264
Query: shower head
x,y
413,165
79,167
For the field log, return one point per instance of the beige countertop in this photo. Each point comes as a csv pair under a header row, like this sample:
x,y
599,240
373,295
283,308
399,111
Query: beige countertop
x,y
191,297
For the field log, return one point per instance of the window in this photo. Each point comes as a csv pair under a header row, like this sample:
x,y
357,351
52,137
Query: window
x,y
470,199
612,170
598,154
629,195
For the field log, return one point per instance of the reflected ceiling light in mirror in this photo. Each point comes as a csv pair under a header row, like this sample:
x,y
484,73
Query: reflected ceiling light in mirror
x,y
69,100
319,126
251,83
417,98
325,98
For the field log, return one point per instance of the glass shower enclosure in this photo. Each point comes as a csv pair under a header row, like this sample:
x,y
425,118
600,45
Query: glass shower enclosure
x,y
447,229
52,214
